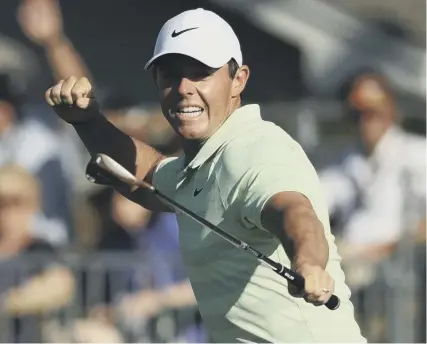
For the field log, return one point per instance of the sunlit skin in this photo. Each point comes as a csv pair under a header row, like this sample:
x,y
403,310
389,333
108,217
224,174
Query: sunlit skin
x,y
183,82
376,109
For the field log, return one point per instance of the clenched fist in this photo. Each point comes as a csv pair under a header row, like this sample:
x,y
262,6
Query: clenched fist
x,y
73,100
319,285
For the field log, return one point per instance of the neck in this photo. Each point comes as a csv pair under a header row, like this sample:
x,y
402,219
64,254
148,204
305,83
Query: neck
x,y
192,147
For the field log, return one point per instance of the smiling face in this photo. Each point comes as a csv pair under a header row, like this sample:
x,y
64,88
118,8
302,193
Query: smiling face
x,y
195,98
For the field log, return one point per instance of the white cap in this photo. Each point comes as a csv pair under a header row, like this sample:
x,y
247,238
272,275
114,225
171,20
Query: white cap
x,y
200,34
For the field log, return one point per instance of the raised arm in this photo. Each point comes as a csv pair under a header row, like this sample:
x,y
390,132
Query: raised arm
x,y
73,101
41,21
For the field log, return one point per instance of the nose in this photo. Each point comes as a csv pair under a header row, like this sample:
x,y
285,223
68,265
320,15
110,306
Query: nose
x,y
185,87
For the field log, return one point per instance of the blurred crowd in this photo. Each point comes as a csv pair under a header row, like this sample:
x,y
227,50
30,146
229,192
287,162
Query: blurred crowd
x,y
48,211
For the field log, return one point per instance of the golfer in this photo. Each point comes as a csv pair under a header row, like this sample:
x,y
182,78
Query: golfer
x,y
245,175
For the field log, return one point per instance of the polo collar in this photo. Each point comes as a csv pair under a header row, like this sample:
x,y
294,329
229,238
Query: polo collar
x,y
232,126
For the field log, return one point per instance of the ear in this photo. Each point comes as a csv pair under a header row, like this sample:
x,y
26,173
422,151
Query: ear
x,y
240,80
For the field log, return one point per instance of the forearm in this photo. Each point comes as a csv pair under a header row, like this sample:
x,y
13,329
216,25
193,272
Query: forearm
x,y
100,136
291,217
178,295
64,61
74,102
49,291
306,232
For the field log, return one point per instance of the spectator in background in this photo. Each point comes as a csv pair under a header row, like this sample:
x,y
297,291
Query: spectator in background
x,y
162,284
41,21
32,145
134,296
379,193
29,285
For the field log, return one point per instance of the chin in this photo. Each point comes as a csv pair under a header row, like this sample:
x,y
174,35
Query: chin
x,y
192,133
192,136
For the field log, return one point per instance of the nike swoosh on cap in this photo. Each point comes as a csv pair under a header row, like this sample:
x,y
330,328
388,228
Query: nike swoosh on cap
x,y
176,34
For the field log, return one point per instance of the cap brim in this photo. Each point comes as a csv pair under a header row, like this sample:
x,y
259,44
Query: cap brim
x,y
202,60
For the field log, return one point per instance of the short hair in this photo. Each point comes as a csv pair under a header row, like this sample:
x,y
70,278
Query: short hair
x,y
233,67
346,86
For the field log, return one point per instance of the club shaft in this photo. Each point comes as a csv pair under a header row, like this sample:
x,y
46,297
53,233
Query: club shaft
x,y
293,277
231,239
287,273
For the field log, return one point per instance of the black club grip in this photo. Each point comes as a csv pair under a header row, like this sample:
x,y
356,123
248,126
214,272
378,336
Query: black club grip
x,y
333,303
298,281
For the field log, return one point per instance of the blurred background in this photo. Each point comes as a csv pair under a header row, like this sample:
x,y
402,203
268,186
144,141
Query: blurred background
x,y
346,78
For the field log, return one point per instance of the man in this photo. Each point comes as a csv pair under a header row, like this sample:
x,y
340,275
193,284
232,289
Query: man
x,y
34,282
42,22
39,155
239,172
378,193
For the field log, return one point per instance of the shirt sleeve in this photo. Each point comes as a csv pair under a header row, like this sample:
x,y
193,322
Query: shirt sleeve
x,y
262,181
165,176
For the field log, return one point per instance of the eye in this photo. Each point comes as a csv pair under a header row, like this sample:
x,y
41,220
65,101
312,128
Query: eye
x,y
167,74
200,74
199,77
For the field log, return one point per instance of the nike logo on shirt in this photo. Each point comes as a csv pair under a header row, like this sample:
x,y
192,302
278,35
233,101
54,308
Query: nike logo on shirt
x,y
197,191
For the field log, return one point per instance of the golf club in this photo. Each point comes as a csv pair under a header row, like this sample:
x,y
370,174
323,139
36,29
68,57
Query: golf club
x,y
109,165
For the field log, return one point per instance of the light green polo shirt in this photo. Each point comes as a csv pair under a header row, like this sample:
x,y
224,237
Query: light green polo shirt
x,y
237,170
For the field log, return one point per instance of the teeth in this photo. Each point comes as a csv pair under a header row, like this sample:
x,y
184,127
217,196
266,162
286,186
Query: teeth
x,y
190,111
190,114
